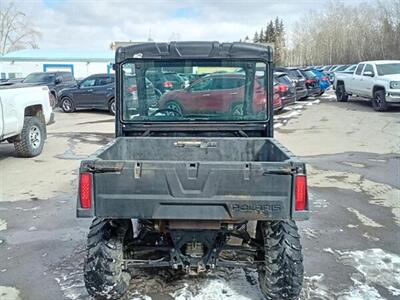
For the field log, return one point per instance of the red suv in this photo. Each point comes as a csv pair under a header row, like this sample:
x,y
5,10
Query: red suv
x,y
214,93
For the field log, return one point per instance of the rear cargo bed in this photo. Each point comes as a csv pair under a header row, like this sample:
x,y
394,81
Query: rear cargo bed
x,y
189,149
187,178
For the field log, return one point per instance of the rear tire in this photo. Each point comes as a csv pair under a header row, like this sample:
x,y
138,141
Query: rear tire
x,y
104,274
67,105
282,275
341,94
237,109
174,105
53,101
379,101
112,107
31,140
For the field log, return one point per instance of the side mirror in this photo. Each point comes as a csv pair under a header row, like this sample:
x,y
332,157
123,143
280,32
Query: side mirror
x,y
368,73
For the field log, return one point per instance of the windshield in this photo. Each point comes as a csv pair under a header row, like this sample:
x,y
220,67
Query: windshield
x,y
218,90
295,73
39,77
388,69
341,68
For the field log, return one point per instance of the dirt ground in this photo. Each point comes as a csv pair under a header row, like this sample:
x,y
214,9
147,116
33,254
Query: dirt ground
x,y
351,244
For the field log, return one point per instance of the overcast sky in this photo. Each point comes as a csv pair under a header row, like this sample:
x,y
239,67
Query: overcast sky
x,y
94,24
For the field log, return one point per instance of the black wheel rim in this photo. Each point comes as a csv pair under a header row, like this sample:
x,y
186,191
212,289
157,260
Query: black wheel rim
x,y
237,110
340,93
174,107
378,100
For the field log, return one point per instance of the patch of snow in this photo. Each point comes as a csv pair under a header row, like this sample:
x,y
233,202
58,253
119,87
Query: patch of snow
x,y
3,225
364,219
379,193
353,164
360,291
236,287
310,233
377,266
32,228
370,237
9,293
352,226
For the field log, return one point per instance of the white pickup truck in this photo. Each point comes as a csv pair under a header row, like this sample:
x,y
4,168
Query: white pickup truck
x,y
24,114
378,81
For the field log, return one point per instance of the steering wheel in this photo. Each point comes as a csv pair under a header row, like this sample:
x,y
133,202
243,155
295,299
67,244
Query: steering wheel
x,y
166,110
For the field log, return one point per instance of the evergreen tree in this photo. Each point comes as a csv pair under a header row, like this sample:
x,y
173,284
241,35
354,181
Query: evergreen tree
x,y
256,38
262,37
274,34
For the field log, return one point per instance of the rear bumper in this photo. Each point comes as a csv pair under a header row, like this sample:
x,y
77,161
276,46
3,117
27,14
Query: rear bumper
x,y
189,209
300,94
288,100
313,91
275,208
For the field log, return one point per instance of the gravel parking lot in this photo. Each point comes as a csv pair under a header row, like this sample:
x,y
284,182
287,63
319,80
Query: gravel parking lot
x,y
351,243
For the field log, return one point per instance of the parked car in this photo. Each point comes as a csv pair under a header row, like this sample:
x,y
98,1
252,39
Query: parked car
x,y
277,100
338,68
24,113
324,82
286,88
164,81
377,81
131,96
299,80
312,83
55,81
349,70
222,92
94,92
10,81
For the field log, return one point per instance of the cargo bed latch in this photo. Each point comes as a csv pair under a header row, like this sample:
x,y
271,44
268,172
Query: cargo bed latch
x,y
137,170
246,172
192,170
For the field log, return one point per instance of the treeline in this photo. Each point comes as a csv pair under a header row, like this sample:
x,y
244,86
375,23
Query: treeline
x,y
340,34
273,33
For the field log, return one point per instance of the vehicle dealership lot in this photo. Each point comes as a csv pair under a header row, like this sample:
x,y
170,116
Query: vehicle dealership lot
x,y
351,244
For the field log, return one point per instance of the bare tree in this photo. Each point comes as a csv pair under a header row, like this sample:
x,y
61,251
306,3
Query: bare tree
x,y
343,34
16,32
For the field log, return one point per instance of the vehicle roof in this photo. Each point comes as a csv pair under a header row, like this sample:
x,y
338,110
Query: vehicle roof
x,y
52,72
222,74
103,74
280,73
194,50
380,62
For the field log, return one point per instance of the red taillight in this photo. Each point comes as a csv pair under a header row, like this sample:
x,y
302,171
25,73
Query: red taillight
x,y
132,89
85,190
300,185
283,88
310,81
167,84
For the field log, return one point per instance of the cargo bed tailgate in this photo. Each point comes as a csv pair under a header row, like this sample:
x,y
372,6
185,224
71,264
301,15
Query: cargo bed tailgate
x,y
198,190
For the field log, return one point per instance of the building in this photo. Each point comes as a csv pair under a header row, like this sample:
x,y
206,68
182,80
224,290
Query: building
x,y
20,63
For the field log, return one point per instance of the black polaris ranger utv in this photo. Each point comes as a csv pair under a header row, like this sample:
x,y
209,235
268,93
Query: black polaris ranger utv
x,y
184,180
